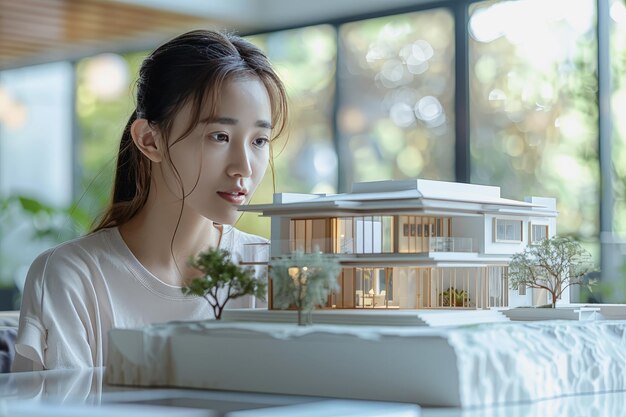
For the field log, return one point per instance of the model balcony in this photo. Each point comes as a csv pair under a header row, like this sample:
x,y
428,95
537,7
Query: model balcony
x,y
255,254
450,244
261,253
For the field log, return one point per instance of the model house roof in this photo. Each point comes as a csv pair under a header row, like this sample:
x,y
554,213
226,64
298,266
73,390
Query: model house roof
x,y
416,195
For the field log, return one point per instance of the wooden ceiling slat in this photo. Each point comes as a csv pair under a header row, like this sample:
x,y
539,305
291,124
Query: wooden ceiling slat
x,y
29,40
83,32
13,49
45,28
81,17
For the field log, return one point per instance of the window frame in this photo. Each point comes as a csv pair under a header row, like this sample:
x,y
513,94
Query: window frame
x,y
531,232
507,219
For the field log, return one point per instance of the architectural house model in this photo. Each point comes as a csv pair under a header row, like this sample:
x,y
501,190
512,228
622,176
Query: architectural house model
x,y
413,244
402,245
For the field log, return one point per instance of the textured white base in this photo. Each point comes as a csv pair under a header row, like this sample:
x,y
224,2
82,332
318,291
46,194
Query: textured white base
x,y
466,366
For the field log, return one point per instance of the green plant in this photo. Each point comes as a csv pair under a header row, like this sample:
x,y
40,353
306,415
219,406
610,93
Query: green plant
x,y
222,280
454,298
29,226
554,265
303,281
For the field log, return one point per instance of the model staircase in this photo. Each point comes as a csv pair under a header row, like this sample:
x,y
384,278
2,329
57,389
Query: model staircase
x,y
437,318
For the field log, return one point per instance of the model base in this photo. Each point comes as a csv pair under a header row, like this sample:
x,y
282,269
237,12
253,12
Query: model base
x,y
465,366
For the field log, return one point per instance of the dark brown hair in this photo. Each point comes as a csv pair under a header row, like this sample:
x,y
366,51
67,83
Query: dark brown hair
x,y
192,67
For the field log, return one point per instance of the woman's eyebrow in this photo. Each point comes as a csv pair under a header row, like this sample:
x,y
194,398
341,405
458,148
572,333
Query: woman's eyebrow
x,y
264,124
230,121
220,120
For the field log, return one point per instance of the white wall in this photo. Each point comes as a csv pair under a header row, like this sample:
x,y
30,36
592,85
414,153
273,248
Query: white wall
x,y
500,248
516,300
280,235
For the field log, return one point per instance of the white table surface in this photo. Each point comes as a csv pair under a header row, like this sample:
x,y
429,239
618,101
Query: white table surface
x,y
81,392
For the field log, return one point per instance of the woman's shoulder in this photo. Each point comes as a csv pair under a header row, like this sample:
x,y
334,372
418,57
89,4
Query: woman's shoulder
x,y
75,250
68,267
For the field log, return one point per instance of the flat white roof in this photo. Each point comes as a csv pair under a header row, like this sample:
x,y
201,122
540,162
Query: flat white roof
x,y
403,195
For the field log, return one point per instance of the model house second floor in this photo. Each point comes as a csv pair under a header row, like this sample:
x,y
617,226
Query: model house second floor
x,y
408,217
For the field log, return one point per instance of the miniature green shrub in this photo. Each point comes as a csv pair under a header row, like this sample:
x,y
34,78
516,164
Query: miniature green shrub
x,y
454,298
222,280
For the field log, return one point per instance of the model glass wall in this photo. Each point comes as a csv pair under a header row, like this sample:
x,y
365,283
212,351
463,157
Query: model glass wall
x,y
376,234
421,287
533,114
346,235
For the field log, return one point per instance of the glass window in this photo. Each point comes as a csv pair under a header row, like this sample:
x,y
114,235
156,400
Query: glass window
x,y
618,101
104,102
538,232
508,230
344,234
36,132
35,162
533,114
305,158
388,234
396,97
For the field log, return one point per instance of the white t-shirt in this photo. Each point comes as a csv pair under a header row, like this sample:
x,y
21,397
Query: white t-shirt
x,y
76,292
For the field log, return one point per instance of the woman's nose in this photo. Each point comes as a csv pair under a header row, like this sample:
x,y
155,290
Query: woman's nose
x,y
239,163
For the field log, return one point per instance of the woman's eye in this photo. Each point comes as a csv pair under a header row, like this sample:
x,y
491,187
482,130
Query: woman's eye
x,y
260,142
219,137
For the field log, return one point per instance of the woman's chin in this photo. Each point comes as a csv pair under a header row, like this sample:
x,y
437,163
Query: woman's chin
x,y
227,219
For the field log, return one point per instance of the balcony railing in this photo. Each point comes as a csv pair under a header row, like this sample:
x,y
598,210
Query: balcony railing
x,y
259,253
450,244
256,254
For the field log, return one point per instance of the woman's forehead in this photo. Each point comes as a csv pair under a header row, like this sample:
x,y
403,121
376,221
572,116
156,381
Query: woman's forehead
x,y
237,97
234,99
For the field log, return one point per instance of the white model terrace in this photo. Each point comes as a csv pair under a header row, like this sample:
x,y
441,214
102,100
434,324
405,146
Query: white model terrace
x,y
414,243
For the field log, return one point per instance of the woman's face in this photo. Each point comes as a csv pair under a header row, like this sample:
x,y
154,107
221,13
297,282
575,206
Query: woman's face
x,y
223,160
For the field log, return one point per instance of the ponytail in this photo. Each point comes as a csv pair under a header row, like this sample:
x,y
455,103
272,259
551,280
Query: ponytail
x,y
131,184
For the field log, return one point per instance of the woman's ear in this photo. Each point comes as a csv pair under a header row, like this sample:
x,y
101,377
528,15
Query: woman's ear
x,y
147,139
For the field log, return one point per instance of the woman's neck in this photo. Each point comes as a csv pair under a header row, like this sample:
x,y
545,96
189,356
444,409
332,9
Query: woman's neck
x,y
164,245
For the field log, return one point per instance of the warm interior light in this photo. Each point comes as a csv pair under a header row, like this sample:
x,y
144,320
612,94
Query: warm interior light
x,y
293,272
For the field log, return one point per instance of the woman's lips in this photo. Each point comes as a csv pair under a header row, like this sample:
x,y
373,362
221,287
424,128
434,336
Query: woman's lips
x,y
233,198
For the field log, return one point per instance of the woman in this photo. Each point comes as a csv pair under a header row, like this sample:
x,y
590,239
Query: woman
x,y
194,150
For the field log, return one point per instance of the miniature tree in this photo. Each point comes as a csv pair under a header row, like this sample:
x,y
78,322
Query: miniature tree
x,y
303,281
222,280
555,264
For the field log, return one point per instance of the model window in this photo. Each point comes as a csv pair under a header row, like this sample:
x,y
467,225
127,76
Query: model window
x,y
309,235
538,232
521,290
368,234
508,230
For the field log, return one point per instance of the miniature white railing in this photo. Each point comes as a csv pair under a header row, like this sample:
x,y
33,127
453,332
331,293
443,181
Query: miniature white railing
x,y
259,253
450,244
256,253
